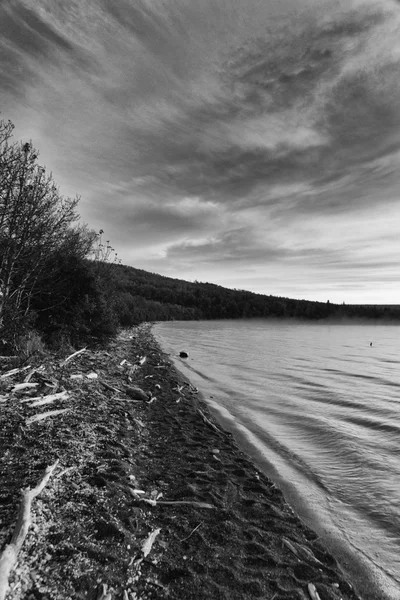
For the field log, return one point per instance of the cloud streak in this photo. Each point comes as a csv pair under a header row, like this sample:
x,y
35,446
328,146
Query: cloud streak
x,y
210,138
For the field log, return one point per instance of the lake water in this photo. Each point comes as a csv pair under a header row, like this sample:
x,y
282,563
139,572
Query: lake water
x,y
318,408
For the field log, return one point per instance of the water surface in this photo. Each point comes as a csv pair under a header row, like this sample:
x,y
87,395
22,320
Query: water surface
x,y
319,408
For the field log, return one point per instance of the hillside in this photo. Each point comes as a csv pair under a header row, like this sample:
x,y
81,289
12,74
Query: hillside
x,y
143,296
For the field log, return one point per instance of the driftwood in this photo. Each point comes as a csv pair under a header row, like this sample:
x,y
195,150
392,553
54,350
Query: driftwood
x,y
191,533
110,387
9,556
49,399
312,590
14,372
23,386
41,416
300,551
207,421
172,502
104,595
71,356
32,372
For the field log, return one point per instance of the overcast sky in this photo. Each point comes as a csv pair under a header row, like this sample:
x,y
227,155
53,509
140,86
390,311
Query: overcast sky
x,y
250,143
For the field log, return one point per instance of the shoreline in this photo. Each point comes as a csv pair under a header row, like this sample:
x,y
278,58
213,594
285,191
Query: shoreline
x,y
370,580
152,499
356,570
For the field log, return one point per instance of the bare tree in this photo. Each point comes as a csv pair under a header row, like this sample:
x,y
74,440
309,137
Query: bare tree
x,y
35,221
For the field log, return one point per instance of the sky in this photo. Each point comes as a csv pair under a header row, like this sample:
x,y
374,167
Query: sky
x,y
250,143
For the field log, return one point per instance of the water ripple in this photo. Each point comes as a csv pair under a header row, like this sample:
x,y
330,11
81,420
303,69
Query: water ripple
x,y
323,407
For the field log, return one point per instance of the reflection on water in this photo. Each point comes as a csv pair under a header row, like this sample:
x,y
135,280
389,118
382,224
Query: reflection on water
x,y
322,408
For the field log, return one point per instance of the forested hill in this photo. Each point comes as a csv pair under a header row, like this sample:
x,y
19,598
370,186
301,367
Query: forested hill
x,y
143,296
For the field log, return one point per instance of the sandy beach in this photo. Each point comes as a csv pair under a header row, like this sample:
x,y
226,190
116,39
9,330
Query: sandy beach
x,y
150,497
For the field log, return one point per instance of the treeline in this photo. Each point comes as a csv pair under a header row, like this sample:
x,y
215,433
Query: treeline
x,y
141,295
62,285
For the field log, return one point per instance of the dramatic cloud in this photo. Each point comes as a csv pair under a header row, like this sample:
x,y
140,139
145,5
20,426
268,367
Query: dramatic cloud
x,y
247,142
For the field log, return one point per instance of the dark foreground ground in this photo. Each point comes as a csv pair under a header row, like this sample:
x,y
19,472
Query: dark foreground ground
x,y
100,528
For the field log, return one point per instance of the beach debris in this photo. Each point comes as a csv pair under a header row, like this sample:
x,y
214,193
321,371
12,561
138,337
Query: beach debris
x,y
142,360
157,386
207,421
300,551
146,548
64,471
74,355
92,375
136,393
110,387
183,354
149,541
23,386
76,376
10,553
49,383
157,502
215,452
312,590
192,532
45,415
104,594
48,399
155,583
57,396
32,372
14,372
